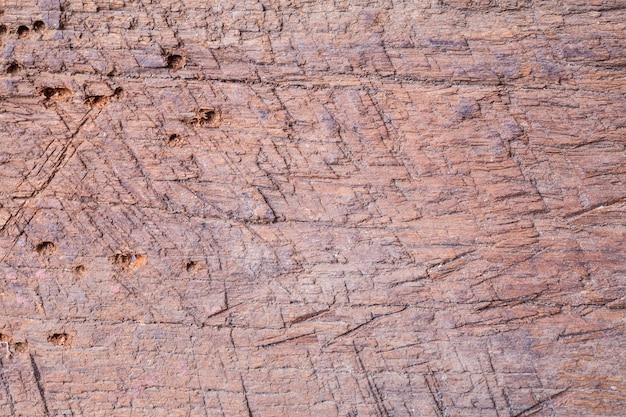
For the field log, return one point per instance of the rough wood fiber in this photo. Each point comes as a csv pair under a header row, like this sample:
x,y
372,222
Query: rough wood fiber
x,y
312,208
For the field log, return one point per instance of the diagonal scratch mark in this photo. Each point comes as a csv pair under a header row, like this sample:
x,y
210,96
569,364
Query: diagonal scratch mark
x,y
537,407
37,376
57,166
357,327
431,382
375,392
62,160
594,207
269,344
245,396
7,388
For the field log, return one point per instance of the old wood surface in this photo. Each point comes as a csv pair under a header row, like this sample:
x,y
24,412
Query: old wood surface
x,y
312,208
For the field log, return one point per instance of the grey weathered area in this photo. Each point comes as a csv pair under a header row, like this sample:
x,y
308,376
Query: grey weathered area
x,y
312,208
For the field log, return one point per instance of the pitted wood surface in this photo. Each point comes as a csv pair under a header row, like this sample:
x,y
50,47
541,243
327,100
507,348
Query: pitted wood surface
x,y
305,208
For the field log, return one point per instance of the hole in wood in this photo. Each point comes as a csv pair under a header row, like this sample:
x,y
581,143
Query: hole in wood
x,y
46,248
22,31
39,25
3,30
175,140
60,339
192,266
129,261
102,100
56,93
97,101
13,67
175,61
206,118
80,271
20,347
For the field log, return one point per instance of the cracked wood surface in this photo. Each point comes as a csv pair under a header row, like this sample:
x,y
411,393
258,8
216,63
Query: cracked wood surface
x,y
326,208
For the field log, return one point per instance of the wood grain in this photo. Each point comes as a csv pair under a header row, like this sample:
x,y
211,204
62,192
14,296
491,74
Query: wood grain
x,y
312,208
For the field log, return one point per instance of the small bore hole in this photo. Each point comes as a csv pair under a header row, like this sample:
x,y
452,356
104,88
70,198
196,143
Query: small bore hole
x,y
3,30
206,118
175,61
46,248
129,261
80,270
192,266
48,92
13,67
20,347
175,140
22,31
60,339
38,25
97,101
51,93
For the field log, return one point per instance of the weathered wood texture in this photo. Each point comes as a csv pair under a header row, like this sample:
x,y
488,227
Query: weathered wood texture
x,y
294,208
